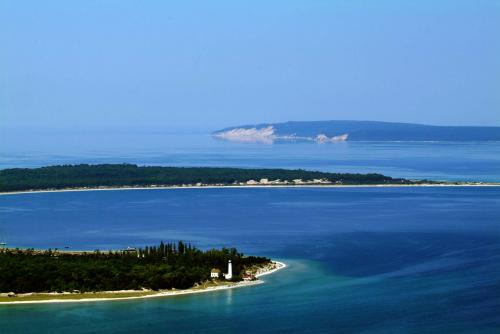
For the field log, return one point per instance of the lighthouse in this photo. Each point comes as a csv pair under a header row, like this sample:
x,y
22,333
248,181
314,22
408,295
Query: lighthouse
x,y
229,274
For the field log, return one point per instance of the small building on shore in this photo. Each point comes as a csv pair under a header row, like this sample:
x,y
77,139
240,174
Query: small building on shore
x,y
127,250
215,273
248,277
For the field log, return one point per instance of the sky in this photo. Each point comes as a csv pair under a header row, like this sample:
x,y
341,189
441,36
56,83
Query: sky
x,y
180,65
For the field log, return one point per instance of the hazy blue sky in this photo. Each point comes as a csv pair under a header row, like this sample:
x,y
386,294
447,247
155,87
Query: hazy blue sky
x,y
208,64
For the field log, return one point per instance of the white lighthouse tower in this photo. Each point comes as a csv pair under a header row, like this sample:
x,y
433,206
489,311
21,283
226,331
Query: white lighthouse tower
x,y
229,274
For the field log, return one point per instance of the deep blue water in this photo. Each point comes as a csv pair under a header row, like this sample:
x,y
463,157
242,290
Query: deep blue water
x,y
364,260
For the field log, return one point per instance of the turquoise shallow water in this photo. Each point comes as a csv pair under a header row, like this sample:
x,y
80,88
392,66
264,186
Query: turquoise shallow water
x,y
367,260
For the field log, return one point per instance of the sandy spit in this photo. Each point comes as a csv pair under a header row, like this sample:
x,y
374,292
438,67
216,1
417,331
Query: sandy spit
x,y
465,184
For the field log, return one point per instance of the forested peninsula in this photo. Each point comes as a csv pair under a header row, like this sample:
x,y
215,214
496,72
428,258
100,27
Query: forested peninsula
x,y
165,266
130,175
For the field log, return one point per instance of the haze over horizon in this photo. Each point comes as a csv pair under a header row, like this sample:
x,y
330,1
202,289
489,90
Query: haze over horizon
x,y
202,66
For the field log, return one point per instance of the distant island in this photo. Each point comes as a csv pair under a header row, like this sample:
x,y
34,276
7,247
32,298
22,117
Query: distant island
x,y
39,275
128,175
339,131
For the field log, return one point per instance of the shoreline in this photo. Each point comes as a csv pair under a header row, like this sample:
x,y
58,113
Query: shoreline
x,y
463,184
169,293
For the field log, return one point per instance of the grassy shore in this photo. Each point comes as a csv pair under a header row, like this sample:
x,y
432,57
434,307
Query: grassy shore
x,y
73,296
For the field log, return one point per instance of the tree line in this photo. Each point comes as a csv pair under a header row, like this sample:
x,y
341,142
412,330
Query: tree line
x,y
120,175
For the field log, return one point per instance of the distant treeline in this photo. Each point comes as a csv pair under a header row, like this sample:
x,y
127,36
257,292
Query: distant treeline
x,y
159,267
120,175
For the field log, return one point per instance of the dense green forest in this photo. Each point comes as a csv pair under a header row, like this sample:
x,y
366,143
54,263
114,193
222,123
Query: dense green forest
x,y
109,175
159,267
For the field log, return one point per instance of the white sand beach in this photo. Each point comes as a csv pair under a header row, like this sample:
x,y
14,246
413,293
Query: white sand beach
x,y
444,184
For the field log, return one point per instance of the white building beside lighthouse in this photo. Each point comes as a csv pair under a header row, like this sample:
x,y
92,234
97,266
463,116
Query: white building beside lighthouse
x,y
215,273
229,274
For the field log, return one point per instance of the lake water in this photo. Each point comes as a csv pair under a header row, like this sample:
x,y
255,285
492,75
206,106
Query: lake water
x,y
463,161
363,260
374,260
